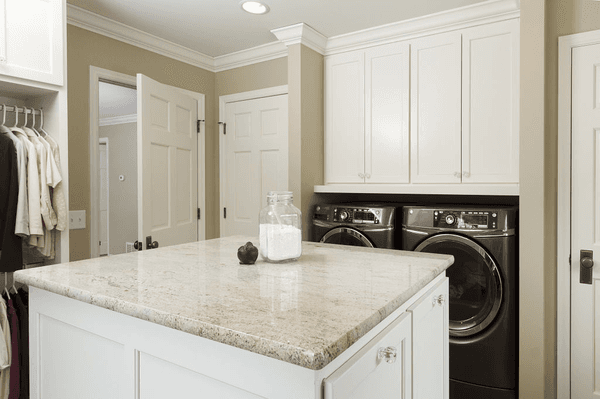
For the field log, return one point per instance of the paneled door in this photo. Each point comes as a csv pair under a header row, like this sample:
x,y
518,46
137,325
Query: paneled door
x,y
167,164
585,219
256,152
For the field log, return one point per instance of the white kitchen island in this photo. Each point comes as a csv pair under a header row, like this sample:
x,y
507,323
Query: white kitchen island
x,y
189,321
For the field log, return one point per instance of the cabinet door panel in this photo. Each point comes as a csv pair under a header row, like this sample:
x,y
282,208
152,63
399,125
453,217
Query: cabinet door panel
x,y
344,118
436,109
386,129
32,40
364,375
430,344
491,103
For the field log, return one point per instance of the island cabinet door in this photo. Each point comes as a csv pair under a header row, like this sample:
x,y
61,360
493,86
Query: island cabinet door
x,y
381,369
430,344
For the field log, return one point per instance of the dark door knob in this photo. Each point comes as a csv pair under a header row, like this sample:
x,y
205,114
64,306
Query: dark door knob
x,y
586,263
151,244
137,245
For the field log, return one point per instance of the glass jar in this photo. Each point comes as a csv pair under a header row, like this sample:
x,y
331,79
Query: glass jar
x,y
280,231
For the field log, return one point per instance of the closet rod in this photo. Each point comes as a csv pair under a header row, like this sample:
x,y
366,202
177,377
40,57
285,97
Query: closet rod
x,y
10,108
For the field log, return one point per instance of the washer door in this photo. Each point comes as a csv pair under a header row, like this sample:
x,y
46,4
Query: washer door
x,y
347,236
475,283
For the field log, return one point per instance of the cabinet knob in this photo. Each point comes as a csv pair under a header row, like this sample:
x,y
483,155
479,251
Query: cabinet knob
x,y
466,174
457,174
368,175
361,175
389,354
439,300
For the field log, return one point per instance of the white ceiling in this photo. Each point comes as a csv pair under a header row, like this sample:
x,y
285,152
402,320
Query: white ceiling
x,y
219,27
116,101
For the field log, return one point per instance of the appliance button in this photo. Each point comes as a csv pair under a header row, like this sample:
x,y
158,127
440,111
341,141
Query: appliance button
x,y
343,215
450,219
493,215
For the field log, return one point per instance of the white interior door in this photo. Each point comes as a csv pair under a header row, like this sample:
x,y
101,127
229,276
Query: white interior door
x,y
167,164
585,231
103,236
256,159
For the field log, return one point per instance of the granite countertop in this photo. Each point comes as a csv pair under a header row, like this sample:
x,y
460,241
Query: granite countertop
x,y
305,312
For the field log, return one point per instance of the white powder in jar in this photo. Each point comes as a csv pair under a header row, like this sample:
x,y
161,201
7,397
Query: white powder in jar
x,y
280,242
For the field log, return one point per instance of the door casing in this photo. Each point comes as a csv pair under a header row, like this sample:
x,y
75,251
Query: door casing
x,y
563,240
97,74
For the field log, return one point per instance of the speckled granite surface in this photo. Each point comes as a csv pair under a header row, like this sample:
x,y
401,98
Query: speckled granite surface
x,y
305,312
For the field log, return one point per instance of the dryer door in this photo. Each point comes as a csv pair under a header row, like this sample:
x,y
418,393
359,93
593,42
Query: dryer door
x,y
347,236
475,283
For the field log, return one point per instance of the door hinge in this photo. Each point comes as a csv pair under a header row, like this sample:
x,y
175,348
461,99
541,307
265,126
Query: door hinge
x,y
224,213
224,127
569,259
198,125
198,213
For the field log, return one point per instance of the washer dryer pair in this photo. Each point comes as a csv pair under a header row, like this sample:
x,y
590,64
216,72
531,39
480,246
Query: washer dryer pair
x,y
483,292
365,225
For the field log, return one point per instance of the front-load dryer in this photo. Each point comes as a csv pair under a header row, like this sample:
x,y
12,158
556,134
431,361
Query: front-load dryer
x,y
483,292
354,224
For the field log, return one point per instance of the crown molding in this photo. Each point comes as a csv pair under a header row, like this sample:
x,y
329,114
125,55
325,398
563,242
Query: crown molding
x,y
266,52
81,18
118,120
301,34
459,18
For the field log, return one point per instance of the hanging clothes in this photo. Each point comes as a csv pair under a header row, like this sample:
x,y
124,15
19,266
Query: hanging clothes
x,y
58,195
22,218
21,303
14,382
11,253
5,373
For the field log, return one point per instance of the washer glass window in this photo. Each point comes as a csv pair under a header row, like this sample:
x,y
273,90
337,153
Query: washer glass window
x,y
346,236
475,283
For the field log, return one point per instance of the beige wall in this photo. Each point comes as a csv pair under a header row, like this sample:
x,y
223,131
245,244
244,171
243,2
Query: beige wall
x,y
85,49
306,126
122,199
252,77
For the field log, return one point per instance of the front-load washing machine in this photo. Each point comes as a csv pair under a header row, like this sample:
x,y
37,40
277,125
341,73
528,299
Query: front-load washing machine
x,y
483,292
354,224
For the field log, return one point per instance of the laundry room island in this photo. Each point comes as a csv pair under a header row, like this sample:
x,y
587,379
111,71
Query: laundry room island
x,y
190,321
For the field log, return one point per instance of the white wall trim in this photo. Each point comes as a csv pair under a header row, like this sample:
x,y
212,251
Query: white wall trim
x,y
104,140
566,44
95,75
301,33
223,101
476,14
459,18
81,18
118,120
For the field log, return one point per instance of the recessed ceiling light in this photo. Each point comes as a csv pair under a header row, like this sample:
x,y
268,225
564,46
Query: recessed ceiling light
x,y
254,7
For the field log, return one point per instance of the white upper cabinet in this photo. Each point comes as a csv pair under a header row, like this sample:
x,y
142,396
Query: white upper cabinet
x,y
344,118
435,109
31,40
366,115
490,90
387,82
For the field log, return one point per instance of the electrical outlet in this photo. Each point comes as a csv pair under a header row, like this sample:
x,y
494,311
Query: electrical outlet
x,y
76,220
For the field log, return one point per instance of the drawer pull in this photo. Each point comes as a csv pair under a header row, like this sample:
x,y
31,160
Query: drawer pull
x,y
389,354
439,300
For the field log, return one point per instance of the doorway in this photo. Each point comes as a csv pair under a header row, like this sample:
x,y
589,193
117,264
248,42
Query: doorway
x,y
116,119
253,156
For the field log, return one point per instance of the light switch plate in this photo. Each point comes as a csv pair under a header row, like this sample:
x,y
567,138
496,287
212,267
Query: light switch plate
x,y
76,220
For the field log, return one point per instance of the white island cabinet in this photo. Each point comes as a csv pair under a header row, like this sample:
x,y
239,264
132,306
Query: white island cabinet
x,y
190,321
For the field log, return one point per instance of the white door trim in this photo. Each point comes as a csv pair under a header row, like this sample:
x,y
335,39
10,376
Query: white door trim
x,y
566,44
104,140
96,74
223,101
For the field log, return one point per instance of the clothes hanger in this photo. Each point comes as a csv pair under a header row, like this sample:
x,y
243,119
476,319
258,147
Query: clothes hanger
x,y
5,285
41,128
33,123
14,289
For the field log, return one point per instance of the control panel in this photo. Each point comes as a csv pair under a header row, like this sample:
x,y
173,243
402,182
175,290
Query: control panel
x,y
357,215
481,220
